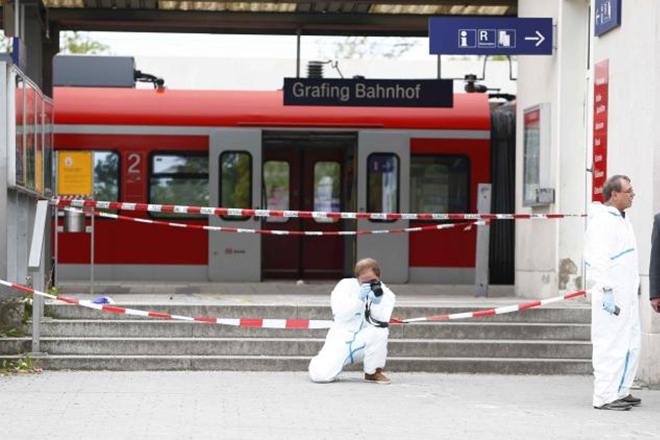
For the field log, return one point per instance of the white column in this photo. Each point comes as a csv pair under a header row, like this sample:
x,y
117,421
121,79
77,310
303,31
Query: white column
x,y
549,252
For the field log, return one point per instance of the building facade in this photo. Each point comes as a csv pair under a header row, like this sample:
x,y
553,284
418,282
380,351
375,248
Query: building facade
x,y
599,102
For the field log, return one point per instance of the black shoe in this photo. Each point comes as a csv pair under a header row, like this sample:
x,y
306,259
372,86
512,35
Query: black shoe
x,y
634,401
617,405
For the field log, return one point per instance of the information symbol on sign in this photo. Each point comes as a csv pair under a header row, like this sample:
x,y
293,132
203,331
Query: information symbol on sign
x,y
506,38
486,37
467,38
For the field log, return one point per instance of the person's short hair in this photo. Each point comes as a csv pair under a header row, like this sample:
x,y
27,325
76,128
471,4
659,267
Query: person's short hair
x,y
366,264
613,184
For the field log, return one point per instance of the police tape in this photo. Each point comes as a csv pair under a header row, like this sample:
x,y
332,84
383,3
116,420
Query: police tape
x,y
496,311
240,212
465,225
293,324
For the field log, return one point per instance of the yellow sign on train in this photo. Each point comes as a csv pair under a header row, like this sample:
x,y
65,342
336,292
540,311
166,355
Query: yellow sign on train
x,y
74,173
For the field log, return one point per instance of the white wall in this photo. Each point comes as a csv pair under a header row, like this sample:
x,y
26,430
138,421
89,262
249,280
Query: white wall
x,y
4,142
549,252
633,143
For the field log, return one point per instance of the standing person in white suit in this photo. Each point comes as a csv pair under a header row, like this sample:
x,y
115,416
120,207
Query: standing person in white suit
x,y
613,281
361,307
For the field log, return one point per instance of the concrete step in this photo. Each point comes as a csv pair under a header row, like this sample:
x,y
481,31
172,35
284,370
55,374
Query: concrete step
x,y
299,363
299,347
475,329
579,314
550,340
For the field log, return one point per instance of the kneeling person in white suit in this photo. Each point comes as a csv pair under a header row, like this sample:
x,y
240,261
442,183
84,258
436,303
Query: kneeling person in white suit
x,y
361,308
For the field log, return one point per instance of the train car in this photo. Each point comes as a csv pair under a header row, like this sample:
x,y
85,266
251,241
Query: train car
x,y
245,149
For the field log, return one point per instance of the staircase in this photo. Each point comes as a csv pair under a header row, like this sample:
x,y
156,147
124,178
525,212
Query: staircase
x,y
550,340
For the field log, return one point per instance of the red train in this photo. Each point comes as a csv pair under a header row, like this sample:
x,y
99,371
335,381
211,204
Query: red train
x,y
246,149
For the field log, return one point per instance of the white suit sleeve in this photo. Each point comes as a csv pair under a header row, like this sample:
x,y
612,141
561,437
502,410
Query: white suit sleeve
x,y
344,300
597,252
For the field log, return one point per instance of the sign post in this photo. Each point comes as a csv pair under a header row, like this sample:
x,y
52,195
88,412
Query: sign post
x,y
490,36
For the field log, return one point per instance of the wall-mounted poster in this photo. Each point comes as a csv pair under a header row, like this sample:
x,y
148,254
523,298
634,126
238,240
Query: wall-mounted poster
x,y
19,110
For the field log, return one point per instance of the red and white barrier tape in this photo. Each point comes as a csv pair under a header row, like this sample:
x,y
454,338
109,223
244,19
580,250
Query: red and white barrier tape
x,y
465,225
207,210
298,324
495,311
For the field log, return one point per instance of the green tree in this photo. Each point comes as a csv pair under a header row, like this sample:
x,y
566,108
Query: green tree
x,y
73,42
368,47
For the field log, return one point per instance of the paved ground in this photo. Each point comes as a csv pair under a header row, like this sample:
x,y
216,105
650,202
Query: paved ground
x,y
238,405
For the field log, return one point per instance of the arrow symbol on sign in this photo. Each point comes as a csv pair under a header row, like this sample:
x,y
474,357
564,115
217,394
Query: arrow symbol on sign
x,y
540,39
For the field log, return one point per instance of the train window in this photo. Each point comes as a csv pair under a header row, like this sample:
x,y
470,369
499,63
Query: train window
x,y
383,183
276,181
439,183
236,181
179,179
327,196
106,176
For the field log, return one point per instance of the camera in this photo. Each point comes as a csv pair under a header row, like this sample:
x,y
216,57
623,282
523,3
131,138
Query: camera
x,y
376,287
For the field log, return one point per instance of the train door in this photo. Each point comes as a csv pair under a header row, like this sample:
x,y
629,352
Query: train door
x,y
309,172
383,186
234,182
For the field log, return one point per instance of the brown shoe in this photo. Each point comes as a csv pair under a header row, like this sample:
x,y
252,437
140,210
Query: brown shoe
x,y
377,377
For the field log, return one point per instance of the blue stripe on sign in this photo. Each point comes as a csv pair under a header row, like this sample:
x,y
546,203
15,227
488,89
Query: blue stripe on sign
x,y
625,369
622,253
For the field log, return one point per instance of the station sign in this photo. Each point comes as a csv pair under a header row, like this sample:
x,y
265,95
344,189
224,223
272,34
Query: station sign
x,y
607,16
490,36
360,92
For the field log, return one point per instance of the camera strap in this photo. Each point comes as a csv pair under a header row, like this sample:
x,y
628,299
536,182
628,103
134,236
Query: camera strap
x,y
371,320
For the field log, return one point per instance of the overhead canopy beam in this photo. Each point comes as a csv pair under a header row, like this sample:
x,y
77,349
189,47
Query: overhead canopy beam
x,y
288,17
239,22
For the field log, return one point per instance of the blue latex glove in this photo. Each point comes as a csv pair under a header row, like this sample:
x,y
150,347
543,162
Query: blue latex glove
x,y
103,300
608,302
373,298
365,290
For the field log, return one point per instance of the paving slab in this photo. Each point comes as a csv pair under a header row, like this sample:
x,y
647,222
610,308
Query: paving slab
x,y
240,405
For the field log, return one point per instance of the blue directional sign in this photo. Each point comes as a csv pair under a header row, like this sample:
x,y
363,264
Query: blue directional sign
x,y
490,36
607,16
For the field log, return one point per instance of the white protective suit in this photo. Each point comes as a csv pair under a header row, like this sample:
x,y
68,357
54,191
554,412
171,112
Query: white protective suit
x,y
351,338
611,257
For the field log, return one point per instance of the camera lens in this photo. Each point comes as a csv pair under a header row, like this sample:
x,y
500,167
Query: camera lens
x,y
376,287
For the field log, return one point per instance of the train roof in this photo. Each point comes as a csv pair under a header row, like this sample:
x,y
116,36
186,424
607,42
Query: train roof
x,y
117,106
